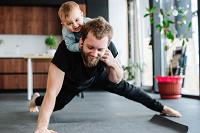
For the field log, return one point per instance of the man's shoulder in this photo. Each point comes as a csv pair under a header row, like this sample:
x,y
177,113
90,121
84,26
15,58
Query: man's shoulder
x,y
62,44
62,49
63,54
111,46
113,49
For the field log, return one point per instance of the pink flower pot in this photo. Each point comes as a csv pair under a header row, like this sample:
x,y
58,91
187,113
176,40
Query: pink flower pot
x,y
170,86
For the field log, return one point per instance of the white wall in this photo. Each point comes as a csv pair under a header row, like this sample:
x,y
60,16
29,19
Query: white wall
x,y
119,21
147,74
28,44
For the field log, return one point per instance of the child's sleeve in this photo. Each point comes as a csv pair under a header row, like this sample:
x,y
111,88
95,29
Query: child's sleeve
x,y
70,41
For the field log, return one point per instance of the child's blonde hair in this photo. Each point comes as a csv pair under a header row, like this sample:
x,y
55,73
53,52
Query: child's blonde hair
x,y
65,9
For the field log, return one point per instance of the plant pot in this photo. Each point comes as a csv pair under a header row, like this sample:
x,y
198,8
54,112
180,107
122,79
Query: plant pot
x,y
51,52
169,86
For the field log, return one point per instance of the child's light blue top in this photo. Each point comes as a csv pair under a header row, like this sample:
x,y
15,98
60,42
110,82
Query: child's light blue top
x,y
72,38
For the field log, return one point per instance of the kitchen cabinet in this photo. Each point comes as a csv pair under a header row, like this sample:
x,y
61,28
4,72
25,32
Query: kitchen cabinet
x,y
13,73
33,20
30,20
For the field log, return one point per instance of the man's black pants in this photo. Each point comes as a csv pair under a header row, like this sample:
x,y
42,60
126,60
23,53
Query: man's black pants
x,y
102,82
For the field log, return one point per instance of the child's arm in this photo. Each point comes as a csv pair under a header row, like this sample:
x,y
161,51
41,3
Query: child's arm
x,y
72,45
70,42
80,41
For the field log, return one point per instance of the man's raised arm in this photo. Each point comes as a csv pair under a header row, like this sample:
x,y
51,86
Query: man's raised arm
x,y
113,68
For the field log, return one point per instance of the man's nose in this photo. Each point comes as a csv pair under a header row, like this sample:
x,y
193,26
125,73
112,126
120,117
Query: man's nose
x,y
94,53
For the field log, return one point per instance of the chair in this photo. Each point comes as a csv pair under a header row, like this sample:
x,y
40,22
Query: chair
x,y
82,95
179,61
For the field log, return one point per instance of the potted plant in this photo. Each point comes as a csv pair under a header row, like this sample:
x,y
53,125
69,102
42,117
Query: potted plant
x,y
1,41
51,43
129,72
170,86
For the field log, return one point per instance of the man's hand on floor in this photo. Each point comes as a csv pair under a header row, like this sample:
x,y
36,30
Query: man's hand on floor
x,y
44,130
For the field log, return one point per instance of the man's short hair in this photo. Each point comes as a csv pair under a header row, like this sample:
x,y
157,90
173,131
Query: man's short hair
x,y
65,9
99,27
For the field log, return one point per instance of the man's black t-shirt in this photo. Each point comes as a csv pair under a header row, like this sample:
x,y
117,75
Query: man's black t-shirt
x,y
76,74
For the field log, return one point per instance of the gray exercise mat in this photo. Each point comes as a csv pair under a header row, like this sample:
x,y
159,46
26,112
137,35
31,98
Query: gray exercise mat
x,y
169,124
156,125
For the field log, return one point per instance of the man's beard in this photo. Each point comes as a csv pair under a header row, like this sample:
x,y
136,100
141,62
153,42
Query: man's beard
x,y
89,63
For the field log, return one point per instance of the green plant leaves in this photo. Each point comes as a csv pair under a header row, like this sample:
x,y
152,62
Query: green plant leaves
x,y
170,22
182,36
170,36
168,26
166,48
184,17
146,15
179,11
51,41
152,9
164,23
183,43
170,11
178,22
161,12
181,25
159,26
1,41
190,24
148,9
132,67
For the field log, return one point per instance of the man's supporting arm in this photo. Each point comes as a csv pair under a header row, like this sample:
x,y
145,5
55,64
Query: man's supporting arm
x,y
54,84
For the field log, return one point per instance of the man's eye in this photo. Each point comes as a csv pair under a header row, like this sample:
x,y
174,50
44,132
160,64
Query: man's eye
x,y
100,49
69,23
90,47
76,20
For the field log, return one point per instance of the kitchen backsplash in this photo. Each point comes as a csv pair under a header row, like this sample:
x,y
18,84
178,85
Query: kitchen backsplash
x,y
20,45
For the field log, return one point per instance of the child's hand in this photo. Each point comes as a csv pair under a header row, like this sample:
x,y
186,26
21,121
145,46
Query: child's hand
x,y
80,43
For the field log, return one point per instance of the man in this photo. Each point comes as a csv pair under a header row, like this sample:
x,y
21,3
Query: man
x,y
97,66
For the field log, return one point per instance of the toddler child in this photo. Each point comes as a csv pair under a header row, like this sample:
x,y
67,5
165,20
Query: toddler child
x,y
72,20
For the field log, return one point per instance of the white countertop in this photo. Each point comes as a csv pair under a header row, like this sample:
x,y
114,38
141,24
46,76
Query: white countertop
x,y
37,57
11,56
27,56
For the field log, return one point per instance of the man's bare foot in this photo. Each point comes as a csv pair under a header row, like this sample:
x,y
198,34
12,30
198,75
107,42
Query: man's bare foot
x,y
32,105
171,112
